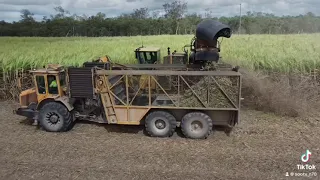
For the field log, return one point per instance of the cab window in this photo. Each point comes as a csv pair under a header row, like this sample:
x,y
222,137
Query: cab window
x,y
41,84
62,78
150,57
52,84
153,57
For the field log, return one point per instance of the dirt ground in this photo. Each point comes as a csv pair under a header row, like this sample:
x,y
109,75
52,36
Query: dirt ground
x,y
262,146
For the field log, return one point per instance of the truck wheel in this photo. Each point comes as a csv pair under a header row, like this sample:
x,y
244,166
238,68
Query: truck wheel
x,y
55,117
196,125
160,124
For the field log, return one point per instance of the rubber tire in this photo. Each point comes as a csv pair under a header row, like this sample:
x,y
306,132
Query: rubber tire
x,y
66,118
169,119
204,119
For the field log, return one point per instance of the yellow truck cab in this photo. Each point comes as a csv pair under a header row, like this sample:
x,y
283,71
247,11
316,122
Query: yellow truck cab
x,y
49,85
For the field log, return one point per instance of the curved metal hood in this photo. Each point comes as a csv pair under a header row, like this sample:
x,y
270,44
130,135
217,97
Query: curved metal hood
x,y
209,30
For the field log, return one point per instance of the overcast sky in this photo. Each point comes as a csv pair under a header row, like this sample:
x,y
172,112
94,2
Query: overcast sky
x,y
10,9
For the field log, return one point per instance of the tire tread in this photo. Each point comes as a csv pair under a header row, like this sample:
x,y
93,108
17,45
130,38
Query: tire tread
x,y
197,114
62,110
171,118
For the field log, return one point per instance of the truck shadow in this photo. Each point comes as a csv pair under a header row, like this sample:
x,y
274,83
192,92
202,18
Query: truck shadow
x,y
26,121
129,129
116,128
140,129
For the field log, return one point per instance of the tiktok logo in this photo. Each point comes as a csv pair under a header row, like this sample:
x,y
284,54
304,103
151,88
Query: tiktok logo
x,y
306,156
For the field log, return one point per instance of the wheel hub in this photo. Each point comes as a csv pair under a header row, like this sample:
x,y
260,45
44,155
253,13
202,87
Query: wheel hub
x,y
160,124
196,126
53,118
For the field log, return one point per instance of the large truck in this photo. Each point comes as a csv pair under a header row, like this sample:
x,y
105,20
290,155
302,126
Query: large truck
x,y
161,97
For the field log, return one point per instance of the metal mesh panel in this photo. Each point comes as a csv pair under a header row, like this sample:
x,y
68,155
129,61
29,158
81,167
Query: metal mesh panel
x,y
81,85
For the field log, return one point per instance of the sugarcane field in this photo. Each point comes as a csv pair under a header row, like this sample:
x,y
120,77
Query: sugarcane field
x,y
143,95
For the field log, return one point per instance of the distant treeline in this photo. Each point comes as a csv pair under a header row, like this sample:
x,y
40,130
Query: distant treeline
x,y
141,21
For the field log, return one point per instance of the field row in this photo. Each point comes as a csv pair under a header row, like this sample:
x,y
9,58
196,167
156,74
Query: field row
x,y
286,53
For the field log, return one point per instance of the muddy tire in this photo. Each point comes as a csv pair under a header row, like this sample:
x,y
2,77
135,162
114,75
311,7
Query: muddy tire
x,y
196,125
160,124
55,117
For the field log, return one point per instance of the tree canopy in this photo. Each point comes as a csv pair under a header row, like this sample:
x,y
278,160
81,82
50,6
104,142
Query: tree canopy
x,y
176,20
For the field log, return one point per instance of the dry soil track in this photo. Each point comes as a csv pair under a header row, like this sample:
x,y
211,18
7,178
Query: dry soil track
x,y
262,146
